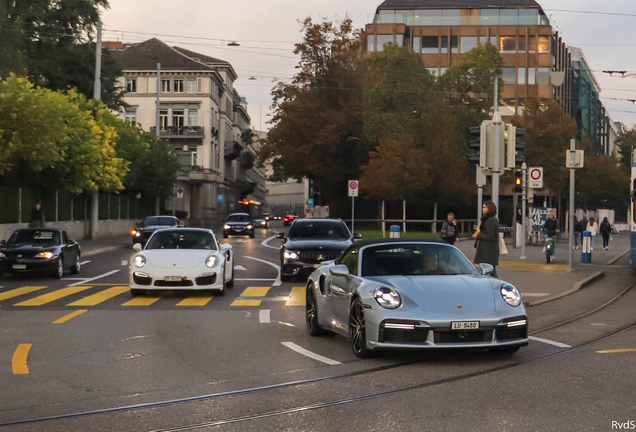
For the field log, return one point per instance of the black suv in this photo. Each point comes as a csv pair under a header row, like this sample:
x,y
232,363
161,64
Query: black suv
x,y
238,224
311,242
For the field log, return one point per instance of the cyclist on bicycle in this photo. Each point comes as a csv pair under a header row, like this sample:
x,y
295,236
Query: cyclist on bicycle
x,y
551,228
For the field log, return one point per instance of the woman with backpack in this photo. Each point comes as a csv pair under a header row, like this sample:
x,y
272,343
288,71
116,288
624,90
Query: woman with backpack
x,y
449,232
487,238
592,227
606,230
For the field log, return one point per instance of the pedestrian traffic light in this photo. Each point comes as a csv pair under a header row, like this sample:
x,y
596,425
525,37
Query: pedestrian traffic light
x,y
513,147
518,181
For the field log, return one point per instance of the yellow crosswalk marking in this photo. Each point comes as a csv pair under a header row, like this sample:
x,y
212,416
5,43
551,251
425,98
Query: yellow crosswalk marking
x,y
141,301
19,291
195,301
246,303
52,296
296,297
69,316
101,296
617,351
255,292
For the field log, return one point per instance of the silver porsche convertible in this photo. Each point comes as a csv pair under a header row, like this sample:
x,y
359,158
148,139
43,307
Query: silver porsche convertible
x,y
414,294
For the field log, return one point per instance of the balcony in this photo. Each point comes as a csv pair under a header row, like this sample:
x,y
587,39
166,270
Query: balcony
x,y
195,132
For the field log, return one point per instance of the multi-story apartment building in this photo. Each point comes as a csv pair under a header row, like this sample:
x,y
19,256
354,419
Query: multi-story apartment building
x,y
442,31
202,114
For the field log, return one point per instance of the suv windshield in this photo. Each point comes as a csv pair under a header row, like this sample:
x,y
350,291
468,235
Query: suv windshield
x,y
414,259
35,237
319,230
161,221
238,218
181,239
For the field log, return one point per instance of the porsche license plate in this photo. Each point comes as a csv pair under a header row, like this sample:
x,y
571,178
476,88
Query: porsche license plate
x,y
172,278
465,325
19,266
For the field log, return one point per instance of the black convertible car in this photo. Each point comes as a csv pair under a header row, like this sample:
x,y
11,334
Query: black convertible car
x,y
40,250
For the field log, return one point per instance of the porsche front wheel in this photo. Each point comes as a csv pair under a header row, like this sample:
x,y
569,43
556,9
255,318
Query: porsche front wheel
x,y
311,314
358,330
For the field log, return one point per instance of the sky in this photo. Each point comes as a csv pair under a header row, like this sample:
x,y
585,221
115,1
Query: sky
x,y
268,29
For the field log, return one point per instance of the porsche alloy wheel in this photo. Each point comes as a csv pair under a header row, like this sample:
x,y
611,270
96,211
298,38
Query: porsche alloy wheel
x,y
357,330
311,314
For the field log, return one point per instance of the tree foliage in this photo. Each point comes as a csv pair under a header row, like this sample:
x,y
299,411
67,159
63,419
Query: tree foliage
x,y
626,143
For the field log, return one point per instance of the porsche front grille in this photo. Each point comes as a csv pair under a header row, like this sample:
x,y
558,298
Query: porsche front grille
x,y
442,337
313,257
508,333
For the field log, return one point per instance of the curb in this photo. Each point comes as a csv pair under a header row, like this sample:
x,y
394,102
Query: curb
x,y
102,250
577,286
617,257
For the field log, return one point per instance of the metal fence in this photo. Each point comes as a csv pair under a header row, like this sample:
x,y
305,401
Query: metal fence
x,y
415,225
16,205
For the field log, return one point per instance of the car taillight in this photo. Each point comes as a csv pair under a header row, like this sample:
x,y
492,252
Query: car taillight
x,y
286,220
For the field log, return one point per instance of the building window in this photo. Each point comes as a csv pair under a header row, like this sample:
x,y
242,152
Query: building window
x,y
177,86
509,76
532,80
509,17
490,17
493,41
178,118
428,17
416,44
131,85
543,44
430,44
522,44
442,71
193,117
468,43
444,44
383,39
131,116
191,85
195,158
163,119
528,16
433,70
508,44
454,44
451,17
370,43
521,76
165,86
199,85
399,39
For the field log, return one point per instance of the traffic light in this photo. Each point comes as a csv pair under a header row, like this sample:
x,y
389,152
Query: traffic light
x,y
475,144
513,146
518,181
484,145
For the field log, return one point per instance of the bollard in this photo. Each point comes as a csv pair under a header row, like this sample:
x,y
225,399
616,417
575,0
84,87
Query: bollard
x,y
395,231
586,248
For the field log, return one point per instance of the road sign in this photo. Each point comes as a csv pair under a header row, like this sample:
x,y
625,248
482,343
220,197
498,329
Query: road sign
x,y
574,158
219,198
535,178
354,186
180,192
310,202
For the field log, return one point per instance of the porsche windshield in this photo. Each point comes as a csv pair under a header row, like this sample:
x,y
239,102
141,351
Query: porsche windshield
x,y
414,259
35,237
181,239
319,230
159,221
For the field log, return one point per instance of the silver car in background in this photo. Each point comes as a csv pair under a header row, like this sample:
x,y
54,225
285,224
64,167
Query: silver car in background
x,y
414,294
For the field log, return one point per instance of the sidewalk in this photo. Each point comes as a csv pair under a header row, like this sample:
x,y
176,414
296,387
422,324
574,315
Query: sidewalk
x,y
104,245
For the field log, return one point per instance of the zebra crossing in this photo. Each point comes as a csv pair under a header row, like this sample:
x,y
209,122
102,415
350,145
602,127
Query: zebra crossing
x,y
118,295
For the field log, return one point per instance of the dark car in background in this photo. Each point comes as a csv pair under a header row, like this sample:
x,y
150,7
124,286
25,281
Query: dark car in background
x,y
289,219
238,224
261,223
149,225
311,242
46,250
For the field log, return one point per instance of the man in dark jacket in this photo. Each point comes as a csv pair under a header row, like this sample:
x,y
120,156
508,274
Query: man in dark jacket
x,y
551,228
582,226
37,218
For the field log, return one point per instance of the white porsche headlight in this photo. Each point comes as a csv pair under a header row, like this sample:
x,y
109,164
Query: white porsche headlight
x,y
291,255
511,295
47,255
139,261
226,227
387,298
211,261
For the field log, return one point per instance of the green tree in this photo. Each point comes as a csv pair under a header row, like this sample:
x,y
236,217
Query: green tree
x,y
626,143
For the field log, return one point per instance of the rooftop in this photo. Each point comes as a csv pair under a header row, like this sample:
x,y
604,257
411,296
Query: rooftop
x,y
457,4
146,55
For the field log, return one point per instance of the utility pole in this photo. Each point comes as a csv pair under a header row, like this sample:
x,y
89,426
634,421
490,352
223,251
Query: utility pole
x,y
524,203
158,129
481,181
571,214
97,94
496,119
514,220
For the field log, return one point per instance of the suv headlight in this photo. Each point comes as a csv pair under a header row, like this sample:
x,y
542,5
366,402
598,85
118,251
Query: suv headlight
x,y
47,255
387,298
226,227
291,255
139,261
511,295
211,261
250,227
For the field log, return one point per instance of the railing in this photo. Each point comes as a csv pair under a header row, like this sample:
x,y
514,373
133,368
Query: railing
x,y
436,18
464,225
180,132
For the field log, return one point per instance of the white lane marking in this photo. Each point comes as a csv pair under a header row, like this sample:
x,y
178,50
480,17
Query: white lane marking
x,y
534,294
84,281
239,267
73,279
124,262
278,282
263,316
85,262
255,280
550,342
267,240
598,324
303,351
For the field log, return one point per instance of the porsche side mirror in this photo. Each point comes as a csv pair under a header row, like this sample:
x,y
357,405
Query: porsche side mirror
x,y
137,247
339,270
357,236
280,236
486,268
226,246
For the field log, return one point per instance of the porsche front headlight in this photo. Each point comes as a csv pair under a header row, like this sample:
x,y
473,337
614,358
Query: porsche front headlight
x,y
212,261
139,261
387,298
291,255
46,255
511,295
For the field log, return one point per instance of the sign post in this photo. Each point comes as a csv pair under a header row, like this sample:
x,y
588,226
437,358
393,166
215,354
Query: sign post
x,y
524,211
354,186
573,160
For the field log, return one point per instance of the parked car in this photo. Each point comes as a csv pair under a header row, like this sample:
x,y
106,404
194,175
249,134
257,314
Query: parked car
x,y
149,225
238,224
46,250
393,294
310,242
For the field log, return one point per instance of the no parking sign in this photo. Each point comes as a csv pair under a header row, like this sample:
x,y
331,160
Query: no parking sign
x,y
354,186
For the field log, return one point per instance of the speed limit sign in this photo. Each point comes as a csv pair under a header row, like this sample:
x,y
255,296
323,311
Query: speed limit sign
x,y
535,178
354,186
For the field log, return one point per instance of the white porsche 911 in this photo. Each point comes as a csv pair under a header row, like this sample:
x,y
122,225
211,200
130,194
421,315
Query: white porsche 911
x,y
182,259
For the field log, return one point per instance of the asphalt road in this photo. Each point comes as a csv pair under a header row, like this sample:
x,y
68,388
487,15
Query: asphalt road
x,y
78,346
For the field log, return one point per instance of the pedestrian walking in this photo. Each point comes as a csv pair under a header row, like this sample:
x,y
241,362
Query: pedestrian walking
x,y
582,227
487,238
575,225
449,232
592,227
37,217
605,230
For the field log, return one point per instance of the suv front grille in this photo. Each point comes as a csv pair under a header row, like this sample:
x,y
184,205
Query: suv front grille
x,y
312,257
